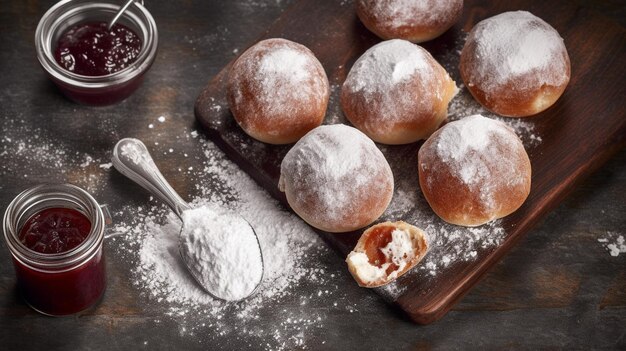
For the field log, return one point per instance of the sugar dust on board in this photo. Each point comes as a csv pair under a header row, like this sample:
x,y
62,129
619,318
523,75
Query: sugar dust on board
x,y
55,230
91,49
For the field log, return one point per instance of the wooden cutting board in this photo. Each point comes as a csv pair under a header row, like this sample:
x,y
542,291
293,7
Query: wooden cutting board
x,y
578,134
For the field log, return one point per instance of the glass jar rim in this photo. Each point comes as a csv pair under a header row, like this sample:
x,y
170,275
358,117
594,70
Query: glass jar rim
x,y
57,262
50,22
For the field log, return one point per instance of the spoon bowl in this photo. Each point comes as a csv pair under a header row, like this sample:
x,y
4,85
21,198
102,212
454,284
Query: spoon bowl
x,y
207,235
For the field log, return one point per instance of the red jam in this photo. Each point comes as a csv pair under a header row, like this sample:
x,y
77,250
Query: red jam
x,y
66,291
90,49
55,230
379,237
63,293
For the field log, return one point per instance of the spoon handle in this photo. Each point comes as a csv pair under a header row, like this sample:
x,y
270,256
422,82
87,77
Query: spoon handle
x,y
120,12
132,159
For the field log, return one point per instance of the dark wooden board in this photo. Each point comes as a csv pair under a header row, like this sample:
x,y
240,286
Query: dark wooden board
x,y
579,133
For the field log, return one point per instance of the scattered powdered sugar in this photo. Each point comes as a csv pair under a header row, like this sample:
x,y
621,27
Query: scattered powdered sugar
x,y
334,113
294,254
40,155
403,199
251,7
303,281
516,46
331,171
614,243
222,252
147,241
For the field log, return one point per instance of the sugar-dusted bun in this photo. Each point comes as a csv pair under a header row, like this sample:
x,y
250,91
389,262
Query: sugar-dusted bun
x,y
397,93
412,20
277,91
336,179
515,64
474,170
386,251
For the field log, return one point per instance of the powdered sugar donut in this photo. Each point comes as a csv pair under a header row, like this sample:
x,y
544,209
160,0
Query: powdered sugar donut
x,y
336,179
277,91
413,20
474,170
515,64
397,93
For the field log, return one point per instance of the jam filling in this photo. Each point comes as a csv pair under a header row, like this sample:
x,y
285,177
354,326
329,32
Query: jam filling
x,y
377,239
91,49
55,230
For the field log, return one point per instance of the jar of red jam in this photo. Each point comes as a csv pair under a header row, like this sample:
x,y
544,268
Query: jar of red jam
x,y
68,15
55,234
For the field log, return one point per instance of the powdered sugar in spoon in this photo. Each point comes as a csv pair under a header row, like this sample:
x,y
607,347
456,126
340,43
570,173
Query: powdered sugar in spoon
x,y
219,248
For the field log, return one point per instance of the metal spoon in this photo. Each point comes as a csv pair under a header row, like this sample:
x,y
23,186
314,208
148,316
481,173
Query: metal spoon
x,y
132,159
120,12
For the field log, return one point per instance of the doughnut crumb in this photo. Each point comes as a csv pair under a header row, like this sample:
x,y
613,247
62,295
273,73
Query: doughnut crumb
x,y
386,251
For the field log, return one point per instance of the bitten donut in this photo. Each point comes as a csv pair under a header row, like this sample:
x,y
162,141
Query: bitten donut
x,y
386,251
515,64
277,91
474,170
397,93
412,20
336,179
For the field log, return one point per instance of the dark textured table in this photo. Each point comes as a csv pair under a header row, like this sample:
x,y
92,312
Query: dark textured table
x,y
560,288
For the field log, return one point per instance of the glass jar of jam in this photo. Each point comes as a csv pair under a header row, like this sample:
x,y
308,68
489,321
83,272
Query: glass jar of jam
x,y
95,90
55,234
